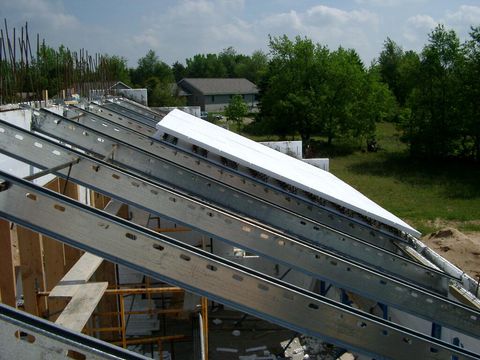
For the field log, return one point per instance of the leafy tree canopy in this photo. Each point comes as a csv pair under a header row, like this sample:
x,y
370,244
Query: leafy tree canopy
x,y
236,110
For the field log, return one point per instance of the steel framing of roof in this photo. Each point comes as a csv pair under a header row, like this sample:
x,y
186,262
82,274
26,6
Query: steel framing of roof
x,y
298,203
244,289
25,336
119,158
187,171
161,200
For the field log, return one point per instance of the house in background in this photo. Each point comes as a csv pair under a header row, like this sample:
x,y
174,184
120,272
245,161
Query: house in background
x,y
214,94
138,95
118,88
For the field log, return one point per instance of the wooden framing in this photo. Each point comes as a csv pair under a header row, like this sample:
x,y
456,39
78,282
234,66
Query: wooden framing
x,y
71,254
31,265
106,272
8,287
204,303
43,263
81,306
54,263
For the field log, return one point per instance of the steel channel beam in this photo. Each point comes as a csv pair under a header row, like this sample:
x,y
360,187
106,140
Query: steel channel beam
x,y
96,112
143,110
159,169
132,114
161,200
110,123
249,184
24,336
195,270
380,235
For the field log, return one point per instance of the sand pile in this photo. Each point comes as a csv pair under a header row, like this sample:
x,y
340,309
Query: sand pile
x,y
458,248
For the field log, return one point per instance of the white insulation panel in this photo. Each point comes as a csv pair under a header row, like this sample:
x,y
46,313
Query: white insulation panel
x,y
275,164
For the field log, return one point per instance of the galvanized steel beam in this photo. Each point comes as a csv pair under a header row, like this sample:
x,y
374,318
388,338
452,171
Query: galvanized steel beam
x,y
24,336
96,112
280,197
166,202
178,177
155,116
240,179
143,118
206,274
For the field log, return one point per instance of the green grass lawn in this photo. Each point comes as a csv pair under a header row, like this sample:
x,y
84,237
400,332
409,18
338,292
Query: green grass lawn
x,y
426,194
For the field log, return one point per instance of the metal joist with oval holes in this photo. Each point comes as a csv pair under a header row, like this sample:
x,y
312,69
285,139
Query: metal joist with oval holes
x,y
24,336
132,106
166,202
167,171
241,288
258,185
142,118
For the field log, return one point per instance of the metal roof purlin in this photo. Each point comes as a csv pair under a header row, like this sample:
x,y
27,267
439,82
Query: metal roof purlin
x,y
244,289
167,203
151,166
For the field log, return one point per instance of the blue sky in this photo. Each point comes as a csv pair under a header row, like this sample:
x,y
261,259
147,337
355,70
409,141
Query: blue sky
x,y
177,30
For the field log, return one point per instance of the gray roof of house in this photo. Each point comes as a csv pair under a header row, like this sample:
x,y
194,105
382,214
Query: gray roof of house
x,y
218,86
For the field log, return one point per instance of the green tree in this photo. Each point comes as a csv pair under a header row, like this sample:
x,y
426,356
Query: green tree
x,y
389,67
236,110
376,103
252,67
157,77
469,94
345,77
116,68
311,90
150,66
433,128
227,63
205,66
162,93
408,72
179,71
290,96
229,58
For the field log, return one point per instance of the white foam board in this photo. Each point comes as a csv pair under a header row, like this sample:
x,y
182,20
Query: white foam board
x,y
275,164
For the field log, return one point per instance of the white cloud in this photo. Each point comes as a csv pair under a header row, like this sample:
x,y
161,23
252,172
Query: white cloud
x,y
321,16
464,15
416,29
421,22
378,2
45,13
194,26
329,15
147,38
328,26
191,27
387,3
289,20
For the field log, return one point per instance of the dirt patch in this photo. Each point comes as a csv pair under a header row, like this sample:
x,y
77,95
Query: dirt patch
x,y
460,249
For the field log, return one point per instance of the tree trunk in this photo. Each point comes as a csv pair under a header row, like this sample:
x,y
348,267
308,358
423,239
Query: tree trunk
x,y
305,142
477,148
